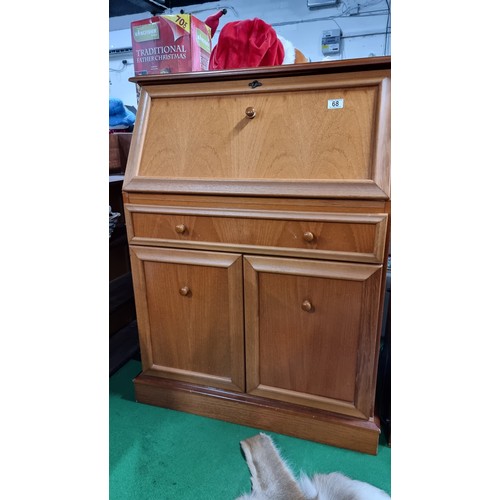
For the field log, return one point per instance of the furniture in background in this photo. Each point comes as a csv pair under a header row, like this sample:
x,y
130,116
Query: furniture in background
x,y
119,147
383,396
123,336
257,208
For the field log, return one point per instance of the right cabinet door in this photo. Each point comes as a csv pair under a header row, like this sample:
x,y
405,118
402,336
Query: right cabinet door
x,y
312,332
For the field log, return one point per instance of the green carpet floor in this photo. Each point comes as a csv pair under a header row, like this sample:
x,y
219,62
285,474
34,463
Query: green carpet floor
x,y
155,453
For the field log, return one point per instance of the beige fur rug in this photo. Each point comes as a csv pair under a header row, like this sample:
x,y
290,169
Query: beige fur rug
x,y
273,480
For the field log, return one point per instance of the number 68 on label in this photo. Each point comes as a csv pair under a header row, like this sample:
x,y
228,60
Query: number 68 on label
x,y
335,103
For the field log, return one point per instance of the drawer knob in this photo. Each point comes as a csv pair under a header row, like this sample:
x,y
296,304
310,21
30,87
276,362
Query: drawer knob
x,y
180,228
308,236
250,112
307,306
184,290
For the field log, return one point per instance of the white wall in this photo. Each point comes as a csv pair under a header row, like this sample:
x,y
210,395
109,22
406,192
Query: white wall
x,y
365,26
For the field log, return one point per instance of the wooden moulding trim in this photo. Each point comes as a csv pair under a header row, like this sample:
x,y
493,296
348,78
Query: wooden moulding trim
x,y
217,259
311,400
367,258
367,352
129,222
276,416
252,322
138,137
343,66
191,376
382,138
322,82
141,303
250,203
381,230
300,267
260,214
355,189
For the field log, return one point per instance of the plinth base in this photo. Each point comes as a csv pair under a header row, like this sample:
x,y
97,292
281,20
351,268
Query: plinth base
x,y
264,414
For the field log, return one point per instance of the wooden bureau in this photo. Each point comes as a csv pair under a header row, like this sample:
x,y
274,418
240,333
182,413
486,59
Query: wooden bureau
x,y
257,205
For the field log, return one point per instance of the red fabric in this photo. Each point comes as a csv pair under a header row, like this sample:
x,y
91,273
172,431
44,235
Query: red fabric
x,y
247,44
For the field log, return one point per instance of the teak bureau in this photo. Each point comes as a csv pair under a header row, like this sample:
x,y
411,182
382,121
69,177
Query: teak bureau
x,y
257,206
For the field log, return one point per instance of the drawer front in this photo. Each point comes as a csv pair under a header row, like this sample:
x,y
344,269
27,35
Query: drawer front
x,y
350,237
313,136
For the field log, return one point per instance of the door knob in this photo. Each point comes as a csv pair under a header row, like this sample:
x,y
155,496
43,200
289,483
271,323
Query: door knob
x,y
308,236
307,306
250,112
184,290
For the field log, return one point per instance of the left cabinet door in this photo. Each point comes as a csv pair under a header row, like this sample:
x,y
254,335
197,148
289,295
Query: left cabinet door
x,y
190,315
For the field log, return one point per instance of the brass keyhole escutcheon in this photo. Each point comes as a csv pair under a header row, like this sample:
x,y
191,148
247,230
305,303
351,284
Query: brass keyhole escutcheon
x,y
180,228
185,290
250,112
307,306
308,236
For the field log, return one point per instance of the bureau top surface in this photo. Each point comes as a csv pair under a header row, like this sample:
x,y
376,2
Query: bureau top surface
x,y
325,67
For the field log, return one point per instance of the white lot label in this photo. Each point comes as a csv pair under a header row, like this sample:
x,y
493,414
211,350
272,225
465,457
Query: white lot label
x,y
335,103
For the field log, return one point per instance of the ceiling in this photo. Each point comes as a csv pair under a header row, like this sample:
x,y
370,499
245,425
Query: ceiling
x,y
127,7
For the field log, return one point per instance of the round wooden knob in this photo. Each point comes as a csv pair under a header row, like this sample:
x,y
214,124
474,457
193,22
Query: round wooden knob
x,y
250,112
184,290
308,236
180,228
307,306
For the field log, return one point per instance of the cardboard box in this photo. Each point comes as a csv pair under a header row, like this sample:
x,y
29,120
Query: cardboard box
x,y
178,43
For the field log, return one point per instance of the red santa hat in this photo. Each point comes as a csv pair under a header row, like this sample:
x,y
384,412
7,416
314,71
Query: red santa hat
x,y
213,21
248,44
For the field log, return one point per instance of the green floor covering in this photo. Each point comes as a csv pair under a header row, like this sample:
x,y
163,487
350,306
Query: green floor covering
x,y
155,453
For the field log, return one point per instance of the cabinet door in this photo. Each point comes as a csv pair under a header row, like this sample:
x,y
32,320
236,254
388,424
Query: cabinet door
x,y
312,332
190,315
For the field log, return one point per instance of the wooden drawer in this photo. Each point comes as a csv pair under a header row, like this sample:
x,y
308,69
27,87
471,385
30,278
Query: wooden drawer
x,y
339,236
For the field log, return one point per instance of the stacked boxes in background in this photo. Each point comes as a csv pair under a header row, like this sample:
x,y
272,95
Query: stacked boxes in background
x,y
178,43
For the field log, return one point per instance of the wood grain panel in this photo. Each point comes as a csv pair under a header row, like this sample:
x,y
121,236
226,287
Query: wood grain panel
x,y
314,143
196,335
322,357
353,237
